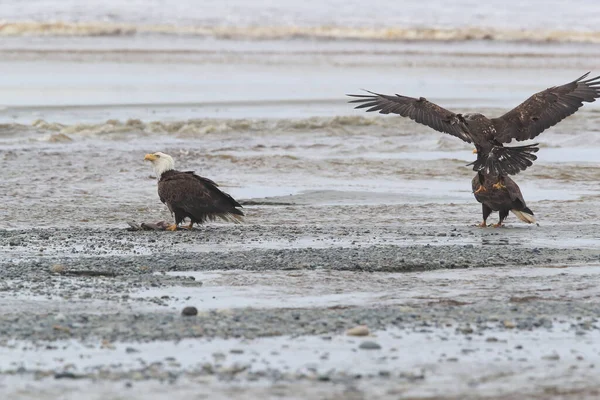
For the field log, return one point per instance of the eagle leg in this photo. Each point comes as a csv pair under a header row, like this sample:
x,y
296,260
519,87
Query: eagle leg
x,y
481,189
503,215
172,227
486,211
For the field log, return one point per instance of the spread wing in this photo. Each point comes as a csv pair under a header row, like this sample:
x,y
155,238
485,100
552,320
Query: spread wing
x,y
545,109
419,110
195,195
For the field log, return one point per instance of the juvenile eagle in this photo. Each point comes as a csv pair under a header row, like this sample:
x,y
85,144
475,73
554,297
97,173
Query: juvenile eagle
x,y
526,121
502,196
188,195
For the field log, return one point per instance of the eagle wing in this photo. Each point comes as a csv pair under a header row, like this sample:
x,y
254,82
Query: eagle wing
x,y
514,191
419,110
196,195
545,109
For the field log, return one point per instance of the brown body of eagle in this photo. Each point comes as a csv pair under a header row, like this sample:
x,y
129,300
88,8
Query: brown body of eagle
x,y
188,195
500,194
526,121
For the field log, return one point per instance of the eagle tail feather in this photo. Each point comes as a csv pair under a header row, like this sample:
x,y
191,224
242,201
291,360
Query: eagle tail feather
x,y
229,217
525,215
506,160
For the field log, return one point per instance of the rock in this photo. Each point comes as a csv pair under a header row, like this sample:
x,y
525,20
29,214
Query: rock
x,y
551,357
509,324
189,311
66,375
131,350
360,330
57,269
369,345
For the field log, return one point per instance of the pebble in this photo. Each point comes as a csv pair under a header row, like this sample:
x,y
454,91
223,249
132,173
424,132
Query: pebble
x,y
551,357
509,324
189,311
369,345
57,269
360,330
131,350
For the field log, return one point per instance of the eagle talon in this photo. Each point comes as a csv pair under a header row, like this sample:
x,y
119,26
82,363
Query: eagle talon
x,y
498,225
482,225
172,227
481,189
189,227
499,185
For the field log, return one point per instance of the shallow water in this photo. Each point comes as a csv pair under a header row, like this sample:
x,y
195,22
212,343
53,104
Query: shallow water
x,y
304,289
340,19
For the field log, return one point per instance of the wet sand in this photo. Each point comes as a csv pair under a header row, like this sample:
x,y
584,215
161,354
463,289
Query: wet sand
x,y
454,311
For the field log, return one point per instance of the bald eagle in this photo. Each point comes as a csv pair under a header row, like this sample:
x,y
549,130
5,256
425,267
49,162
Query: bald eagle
x,y
500,194
188,195
526,121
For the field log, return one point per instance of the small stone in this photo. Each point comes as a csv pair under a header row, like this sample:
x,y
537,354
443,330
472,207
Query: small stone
x,y
61,328
236,351
491,339
66,375
57,269
131,350
368,345
551,357
106,344
189,311
509,324
360,330
466,330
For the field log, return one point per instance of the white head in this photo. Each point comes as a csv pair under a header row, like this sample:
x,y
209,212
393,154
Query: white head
x,y
161,162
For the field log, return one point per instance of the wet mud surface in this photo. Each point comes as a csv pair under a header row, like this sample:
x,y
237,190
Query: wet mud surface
x,y
493,309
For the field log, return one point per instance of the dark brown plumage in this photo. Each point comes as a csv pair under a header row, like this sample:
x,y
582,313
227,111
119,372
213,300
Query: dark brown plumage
x,y
500,194
191,196
188,195
526,121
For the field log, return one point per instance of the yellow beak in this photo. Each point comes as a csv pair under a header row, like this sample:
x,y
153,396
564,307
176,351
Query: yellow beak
x,y
474,152
150,157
